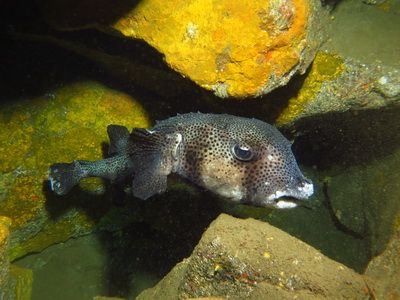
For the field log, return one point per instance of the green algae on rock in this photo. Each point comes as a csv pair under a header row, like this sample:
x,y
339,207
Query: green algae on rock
x,y
335,85
4,261
324,68
63,124
21,282
15,282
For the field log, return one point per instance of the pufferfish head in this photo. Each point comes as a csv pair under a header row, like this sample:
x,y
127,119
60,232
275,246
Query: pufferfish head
x,y
254,165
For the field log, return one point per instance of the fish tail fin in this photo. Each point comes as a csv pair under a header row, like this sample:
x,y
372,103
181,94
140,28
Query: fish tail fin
x,y
64,176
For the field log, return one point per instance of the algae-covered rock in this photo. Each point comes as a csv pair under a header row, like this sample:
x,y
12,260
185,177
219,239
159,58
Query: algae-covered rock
x,y
335,85
249,259
239,48
4,262
64,124
21,283
15,282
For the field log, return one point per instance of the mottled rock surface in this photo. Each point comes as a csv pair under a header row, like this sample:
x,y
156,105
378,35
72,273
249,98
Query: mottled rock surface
x,y
385,268
249,259
337,85
238,49
62,125
4,262
21,283
15,282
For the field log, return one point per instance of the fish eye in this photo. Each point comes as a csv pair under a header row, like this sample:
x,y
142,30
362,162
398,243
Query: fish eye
x,y
242,153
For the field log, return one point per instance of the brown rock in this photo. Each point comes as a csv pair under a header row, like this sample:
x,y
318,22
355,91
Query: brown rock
x,y
249,259
385,269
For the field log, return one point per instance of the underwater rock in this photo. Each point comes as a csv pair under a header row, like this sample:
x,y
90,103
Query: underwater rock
x,y
15,282
366,200
21,283
335,84
344,193
249,259
357,155
238,49
4,262
61,125
385,268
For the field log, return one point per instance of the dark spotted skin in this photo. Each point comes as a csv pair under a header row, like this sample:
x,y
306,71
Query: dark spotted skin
x,y
245,160
206,156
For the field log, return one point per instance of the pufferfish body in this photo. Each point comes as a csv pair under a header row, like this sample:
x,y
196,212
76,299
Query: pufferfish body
x,y
244,160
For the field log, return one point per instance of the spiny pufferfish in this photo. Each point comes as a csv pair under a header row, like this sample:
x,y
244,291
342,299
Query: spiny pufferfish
x,y
244,160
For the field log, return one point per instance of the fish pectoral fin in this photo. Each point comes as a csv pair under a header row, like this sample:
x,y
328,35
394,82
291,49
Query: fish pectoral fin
x,y
151,174
148,141
154,155
147,184
119,136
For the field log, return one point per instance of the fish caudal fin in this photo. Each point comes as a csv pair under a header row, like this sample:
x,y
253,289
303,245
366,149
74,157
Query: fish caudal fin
x,y
64,176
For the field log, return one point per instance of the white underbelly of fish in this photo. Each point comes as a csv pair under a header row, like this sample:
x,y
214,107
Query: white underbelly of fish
x,y
218,186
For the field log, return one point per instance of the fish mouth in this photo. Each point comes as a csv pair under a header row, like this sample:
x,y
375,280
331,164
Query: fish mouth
x,y
301,192
290,202
291,198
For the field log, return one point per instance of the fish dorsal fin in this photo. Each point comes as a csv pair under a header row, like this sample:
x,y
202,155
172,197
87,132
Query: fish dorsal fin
x,y
119,136
153,156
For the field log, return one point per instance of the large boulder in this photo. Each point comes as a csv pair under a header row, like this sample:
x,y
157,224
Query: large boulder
x,y
249,259
385,268
336,85
15,282
239,49
366,201
4,262
62,125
